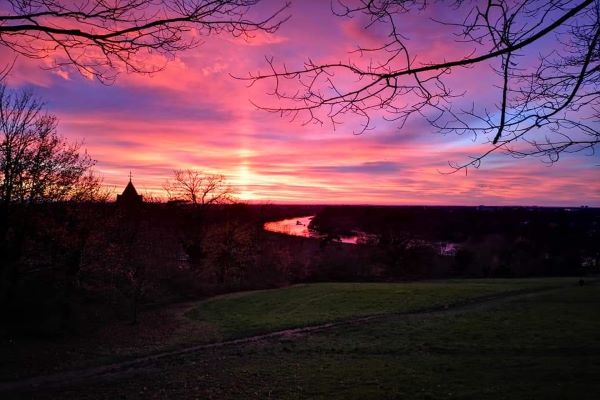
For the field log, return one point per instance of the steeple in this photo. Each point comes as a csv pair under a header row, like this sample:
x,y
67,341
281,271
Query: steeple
x,y
129,196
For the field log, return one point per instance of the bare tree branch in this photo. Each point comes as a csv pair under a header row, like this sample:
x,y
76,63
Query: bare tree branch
x,y
104,38
548,103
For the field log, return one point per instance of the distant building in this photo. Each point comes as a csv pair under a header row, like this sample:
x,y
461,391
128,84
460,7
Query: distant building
x,y
130,196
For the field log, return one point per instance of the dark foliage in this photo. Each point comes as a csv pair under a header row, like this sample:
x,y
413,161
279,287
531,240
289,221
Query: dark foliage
x,y
489,241
79,264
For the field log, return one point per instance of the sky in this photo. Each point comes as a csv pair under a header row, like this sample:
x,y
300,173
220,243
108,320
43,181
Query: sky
x,y
193,114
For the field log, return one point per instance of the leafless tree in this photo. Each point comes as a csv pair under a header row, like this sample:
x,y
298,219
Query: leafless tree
x,y
101,38
545,56
91,188
36,164
198,188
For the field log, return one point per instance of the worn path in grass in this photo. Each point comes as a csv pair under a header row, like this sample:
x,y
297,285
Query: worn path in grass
x,y
152,362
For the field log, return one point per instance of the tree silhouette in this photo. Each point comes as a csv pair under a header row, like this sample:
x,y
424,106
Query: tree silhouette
x,y
36,164
102,38
38,169
198,188
545,57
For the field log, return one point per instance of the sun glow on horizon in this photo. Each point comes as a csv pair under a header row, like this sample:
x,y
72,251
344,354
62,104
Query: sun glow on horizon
x,y
245,176
193,115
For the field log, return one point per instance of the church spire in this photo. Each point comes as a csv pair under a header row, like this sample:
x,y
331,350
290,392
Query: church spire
x,y
129,196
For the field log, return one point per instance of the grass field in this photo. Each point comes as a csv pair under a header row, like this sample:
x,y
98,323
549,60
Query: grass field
x,y
544,346
244,314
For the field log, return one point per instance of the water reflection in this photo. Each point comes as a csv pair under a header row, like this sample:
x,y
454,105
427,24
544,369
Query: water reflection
x,y
293,226
299,227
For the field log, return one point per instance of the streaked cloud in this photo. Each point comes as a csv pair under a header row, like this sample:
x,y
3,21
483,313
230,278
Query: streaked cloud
x,y
195,115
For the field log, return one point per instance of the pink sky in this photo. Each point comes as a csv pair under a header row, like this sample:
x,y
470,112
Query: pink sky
x,y
194,115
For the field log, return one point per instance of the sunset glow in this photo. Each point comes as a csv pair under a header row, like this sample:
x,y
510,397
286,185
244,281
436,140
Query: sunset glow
x,y
194,114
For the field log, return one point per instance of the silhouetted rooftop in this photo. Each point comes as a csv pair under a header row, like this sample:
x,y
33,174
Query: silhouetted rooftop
x,y
129,195
130,190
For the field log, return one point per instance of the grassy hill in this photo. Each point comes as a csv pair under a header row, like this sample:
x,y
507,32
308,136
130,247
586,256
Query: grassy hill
x,y
487,339
247,313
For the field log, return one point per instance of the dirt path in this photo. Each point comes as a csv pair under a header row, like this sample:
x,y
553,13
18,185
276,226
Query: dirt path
x,y
141,364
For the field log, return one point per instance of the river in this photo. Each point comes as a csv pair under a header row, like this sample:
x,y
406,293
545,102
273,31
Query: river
x,y
299,227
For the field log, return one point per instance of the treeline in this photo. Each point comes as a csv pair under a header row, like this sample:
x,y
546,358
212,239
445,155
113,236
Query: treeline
x,y
486,241
71,264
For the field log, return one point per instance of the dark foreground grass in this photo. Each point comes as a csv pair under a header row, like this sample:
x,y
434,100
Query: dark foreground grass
x,y
545,346
240,315
250,313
